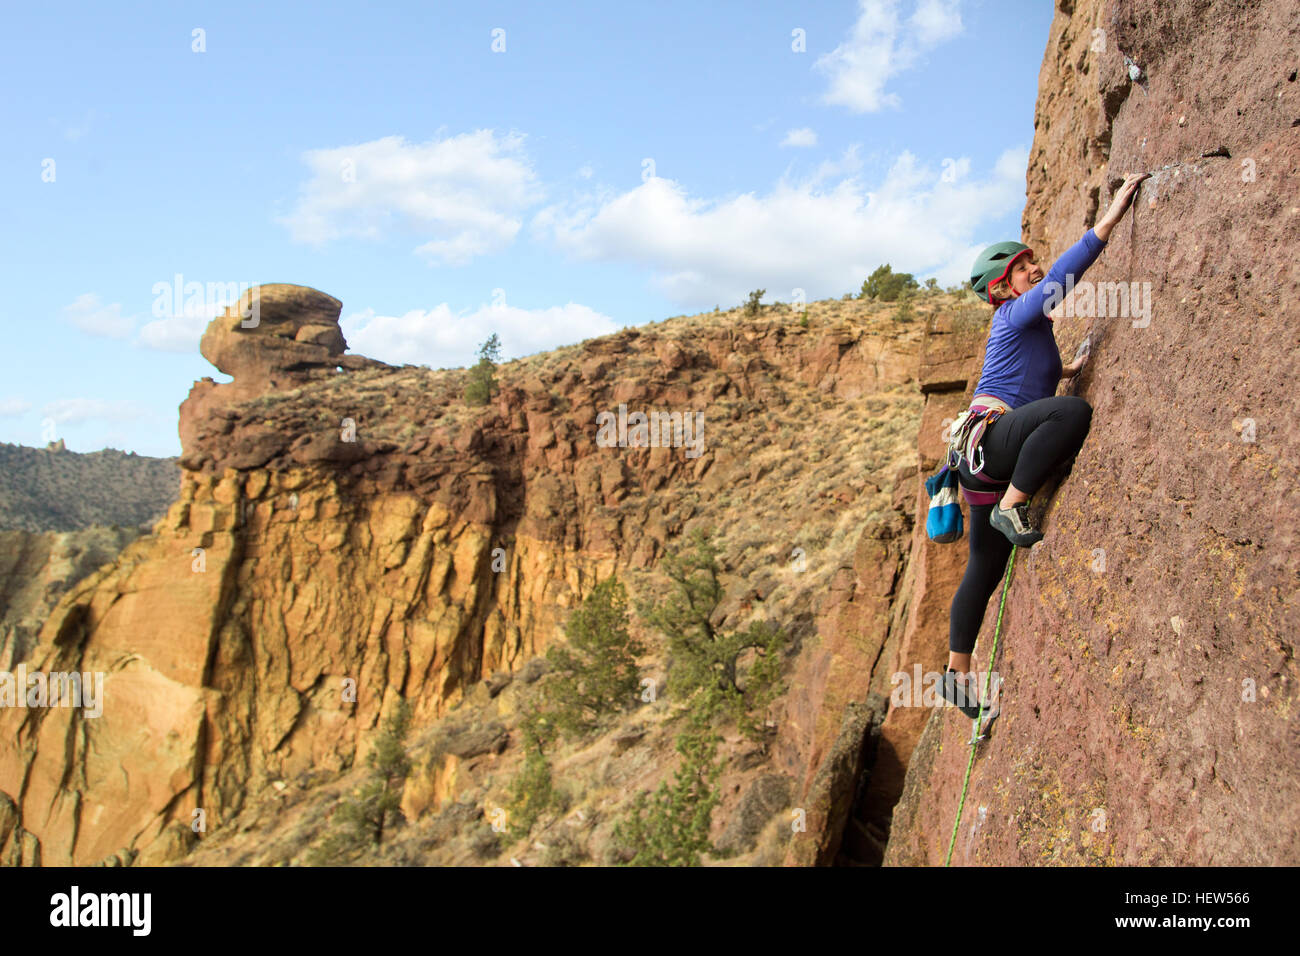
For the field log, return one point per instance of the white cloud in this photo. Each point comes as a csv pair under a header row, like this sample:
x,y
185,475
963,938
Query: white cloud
x,y
585,172
440,338
13,407
835,168
176,333
824,240
71,411
800,137
935,21
90,315
464,195
879,48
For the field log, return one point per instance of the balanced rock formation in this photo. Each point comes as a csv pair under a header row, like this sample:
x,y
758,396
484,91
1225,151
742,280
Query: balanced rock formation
x,y
274,329
274,338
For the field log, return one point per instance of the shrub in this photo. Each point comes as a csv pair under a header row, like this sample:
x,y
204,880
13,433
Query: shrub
x,y
970,319
360,820
752,305
886,285
596,674
532,791
904,312
671,827
564,849
482,381
484,842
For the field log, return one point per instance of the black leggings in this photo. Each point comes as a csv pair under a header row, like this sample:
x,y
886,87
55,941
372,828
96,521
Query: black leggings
x,y
1028,443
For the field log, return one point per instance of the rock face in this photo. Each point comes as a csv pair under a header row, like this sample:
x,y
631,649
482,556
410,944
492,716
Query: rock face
x,y
883,615
341,539
1148,643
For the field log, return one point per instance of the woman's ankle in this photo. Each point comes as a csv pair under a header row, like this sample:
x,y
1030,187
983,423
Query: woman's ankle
x,y
1013,496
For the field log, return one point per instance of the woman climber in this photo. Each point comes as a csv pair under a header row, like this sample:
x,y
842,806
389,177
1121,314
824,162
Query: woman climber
x,y
1029,432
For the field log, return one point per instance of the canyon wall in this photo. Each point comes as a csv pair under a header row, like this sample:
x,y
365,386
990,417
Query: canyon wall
x,y
348,532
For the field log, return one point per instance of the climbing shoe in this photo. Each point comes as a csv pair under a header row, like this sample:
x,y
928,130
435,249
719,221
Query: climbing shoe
x,y
1014,523
961,694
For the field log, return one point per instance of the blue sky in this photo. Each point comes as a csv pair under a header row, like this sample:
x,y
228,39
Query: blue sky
x,y
605,165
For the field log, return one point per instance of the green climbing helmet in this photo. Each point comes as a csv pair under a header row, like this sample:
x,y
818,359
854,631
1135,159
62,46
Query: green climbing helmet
x,y
994,263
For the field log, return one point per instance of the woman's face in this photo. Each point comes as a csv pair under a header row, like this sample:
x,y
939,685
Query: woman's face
x,y
1025,274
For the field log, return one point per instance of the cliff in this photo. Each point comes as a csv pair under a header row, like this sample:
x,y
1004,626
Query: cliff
x,y
1148,643
340,520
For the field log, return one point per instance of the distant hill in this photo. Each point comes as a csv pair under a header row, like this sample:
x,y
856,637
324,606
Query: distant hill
x,y
52,489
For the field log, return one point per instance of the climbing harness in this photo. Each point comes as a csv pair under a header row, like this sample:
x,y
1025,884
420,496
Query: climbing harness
x,y
978,728
968,429
943,522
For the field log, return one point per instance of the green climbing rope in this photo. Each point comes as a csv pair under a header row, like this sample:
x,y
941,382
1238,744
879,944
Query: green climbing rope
x,y
979,722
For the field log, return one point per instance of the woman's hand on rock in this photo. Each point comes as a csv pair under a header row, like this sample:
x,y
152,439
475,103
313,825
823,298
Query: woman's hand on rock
x,y
1119,205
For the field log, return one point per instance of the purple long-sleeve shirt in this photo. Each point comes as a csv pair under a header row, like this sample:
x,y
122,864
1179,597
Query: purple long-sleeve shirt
x,y
1022,362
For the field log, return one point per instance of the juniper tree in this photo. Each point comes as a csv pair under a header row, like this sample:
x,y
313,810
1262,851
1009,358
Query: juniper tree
x,y
361,819
671,826
531,793
482,382
706,661
596,673
886,285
